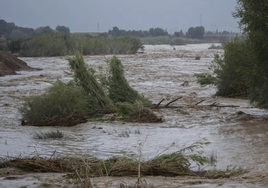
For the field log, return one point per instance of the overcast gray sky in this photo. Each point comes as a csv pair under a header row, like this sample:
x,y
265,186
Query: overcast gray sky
x,y
84,15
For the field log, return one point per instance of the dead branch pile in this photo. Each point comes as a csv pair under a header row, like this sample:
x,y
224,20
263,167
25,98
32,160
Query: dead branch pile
x,y
116,166
174,164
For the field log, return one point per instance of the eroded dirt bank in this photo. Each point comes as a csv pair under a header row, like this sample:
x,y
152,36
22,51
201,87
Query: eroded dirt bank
x,y
9,64
238,134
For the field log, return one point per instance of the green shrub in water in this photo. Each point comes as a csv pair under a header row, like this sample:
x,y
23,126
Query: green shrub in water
x,y
59,100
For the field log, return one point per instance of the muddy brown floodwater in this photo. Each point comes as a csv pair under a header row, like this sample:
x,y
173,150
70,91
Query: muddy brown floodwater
x,y
238,135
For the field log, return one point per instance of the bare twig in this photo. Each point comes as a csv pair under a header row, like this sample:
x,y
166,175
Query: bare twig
x,y
223,106
172,101
159,103
200,101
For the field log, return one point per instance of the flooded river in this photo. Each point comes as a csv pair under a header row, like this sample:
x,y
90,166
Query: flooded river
x,y
238,135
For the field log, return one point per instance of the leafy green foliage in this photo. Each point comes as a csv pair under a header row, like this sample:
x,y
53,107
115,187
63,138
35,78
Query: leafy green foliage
x,y
59,100
43,30
116,32
93,89
196,32
45,45
10,30
86,95
232,71
63,29
157,32
206,79
253,19
118,87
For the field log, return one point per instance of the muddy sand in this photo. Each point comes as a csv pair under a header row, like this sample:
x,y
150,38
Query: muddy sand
x,y
238,135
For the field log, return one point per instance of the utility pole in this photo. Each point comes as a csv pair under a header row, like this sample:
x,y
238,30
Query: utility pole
x,y
98,27
200,19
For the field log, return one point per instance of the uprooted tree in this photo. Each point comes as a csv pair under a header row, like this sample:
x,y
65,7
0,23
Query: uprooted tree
x,y
82,98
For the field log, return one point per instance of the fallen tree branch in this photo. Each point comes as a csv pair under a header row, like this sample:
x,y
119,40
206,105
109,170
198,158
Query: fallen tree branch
x,y
172,101
200,101
222,106
159,103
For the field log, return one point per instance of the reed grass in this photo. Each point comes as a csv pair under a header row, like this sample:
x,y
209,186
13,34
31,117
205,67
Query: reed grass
x,y
173,164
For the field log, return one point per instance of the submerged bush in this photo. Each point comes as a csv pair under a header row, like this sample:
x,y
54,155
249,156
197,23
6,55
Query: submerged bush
x,y
59,100
136,112
206,79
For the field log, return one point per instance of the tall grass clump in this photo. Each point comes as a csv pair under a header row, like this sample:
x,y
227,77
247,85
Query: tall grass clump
x,y
57,101
118,87
93,89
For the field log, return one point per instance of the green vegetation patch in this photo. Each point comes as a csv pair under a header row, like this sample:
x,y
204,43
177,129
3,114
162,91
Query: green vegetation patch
x,y
118,87
57,101
85,98
59,44
206,79
232,71
86,79
136,112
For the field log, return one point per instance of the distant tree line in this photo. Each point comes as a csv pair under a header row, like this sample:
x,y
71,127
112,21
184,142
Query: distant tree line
x,y
58,44
116,32
11,31
217,32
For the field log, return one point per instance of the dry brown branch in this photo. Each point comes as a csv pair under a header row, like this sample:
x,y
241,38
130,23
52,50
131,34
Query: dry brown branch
x,y
172,101
221,106
159,103
200,101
